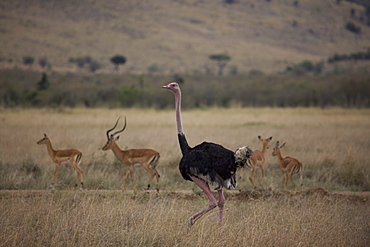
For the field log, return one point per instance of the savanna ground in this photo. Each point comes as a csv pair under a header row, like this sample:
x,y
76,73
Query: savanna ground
x,y
332,144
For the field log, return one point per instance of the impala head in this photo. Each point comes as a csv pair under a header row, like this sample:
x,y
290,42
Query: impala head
x,y
173,86
43,140
277,148
110,137
265,140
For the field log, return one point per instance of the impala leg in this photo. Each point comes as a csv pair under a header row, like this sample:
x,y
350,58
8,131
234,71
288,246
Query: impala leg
x,y
241,173
124,180
262,176
301,176
212,201
55,176
157,177
284,180
79,177
153,167
251,177
132,175
291,179
152,174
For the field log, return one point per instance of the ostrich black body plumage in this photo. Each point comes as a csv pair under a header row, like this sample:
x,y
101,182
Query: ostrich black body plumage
x,y
210,162
207,163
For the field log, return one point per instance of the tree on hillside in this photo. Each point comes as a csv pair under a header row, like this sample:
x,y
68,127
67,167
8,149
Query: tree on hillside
x,y
27,60
221,60
43,61
94,66
44,83
350,26
118,60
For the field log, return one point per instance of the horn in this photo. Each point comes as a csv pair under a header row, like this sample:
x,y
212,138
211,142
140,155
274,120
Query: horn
x,y
112,128
119,131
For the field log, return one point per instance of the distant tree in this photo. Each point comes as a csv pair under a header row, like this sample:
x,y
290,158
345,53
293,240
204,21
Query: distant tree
x,y
43,61
81,61
306,66
353,28
230,1
221,60
27,60
94,66
118,60
43,84
353,12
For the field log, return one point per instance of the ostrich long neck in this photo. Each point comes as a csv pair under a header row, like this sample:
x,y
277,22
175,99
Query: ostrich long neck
x,y
184,146
180,130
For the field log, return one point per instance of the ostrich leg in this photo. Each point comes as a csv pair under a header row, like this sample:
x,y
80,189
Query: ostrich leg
x,y
212,201
220,204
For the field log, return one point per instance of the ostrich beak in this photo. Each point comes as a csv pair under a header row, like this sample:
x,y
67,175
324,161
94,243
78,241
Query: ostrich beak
x,y
165,86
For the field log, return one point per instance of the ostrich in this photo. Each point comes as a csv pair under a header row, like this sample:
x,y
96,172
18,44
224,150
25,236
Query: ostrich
x,y
207,164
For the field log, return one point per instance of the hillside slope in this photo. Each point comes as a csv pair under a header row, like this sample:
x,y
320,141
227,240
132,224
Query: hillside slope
x,y
177,36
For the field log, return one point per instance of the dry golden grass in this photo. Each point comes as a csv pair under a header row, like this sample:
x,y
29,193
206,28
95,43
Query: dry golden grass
x,y
116,219
332,144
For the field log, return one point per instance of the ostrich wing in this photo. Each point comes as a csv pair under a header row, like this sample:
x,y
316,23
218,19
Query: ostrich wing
x,y
211,163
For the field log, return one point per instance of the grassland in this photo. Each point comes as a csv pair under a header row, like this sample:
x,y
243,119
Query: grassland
x,y
332,144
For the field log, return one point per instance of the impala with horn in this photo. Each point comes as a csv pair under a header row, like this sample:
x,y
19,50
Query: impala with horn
x,y
147,158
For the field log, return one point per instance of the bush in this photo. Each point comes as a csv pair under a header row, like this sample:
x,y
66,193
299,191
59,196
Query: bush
x,y
43,62
43,84
94,66
350,26
27,60
129,96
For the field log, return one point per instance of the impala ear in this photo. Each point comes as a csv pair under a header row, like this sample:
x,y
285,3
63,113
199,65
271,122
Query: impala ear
x,y
269,138
117,138
283,145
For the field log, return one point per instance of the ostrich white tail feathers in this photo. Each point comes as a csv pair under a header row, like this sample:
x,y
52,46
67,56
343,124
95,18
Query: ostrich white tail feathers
x,y
215,180
242,155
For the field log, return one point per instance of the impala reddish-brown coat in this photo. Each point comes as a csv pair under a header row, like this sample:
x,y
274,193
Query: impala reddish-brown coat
x,y
147,158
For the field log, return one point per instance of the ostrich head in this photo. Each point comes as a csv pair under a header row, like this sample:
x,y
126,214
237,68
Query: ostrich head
x,y
173,86
242,155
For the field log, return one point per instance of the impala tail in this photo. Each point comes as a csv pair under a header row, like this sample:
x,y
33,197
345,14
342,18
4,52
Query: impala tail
x,y
299,169
78,159
154,161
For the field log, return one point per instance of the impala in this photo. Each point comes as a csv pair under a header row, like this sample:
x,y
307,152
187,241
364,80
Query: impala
x,y
288,166
147,158
258,160
59,157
